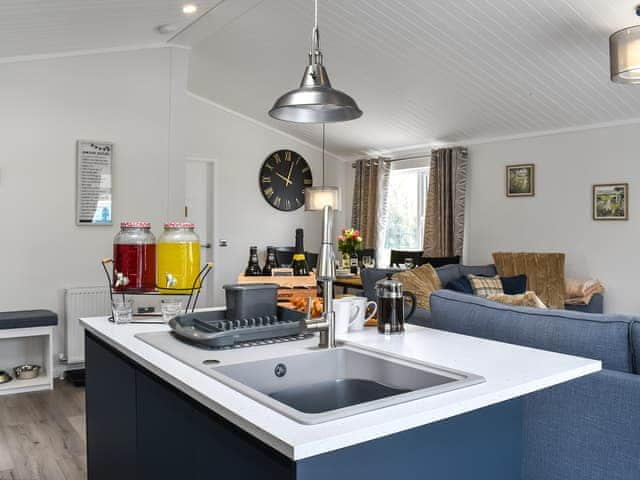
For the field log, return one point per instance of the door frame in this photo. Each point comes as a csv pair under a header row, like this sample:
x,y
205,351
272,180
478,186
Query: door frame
x,y
211,209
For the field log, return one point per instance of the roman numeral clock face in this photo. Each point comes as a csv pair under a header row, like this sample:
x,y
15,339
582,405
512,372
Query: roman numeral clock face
x,y
283,177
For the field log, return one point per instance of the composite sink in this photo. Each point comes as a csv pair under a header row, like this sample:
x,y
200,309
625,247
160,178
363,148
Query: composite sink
x,y
327,385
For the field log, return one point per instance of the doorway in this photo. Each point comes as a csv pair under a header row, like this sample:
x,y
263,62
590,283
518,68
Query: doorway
x,y
199,209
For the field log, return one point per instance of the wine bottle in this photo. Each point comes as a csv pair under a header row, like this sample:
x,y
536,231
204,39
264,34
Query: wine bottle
x,y
353,263
271,262
300,265
253,268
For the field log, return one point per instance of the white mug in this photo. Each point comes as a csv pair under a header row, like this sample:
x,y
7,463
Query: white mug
x,y
346,312
362,318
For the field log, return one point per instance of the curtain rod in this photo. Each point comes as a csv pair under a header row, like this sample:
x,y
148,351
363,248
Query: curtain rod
x,y
414,157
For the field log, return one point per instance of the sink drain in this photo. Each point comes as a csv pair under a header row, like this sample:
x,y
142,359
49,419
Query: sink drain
x,y
280,370
211,361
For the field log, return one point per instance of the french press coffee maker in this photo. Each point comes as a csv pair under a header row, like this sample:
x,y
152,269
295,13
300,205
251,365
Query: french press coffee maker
x,y
391,300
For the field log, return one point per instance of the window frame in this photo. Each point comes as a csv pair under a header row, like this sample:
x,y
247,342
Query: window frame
x,y
420,167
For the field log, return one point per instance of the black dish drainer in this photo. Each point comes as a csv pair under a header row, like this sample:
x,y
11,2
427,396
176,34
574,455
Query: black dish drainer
x,y
193,293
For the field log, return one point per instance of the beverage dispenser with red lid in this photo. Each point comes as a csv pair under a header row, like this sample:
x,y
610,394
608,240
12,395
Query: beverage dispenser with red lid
x,y
134,257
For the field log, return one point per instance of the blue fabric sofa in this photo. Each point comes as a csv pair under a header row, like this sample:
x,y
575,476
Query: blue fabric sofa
x,y
449,273
586,429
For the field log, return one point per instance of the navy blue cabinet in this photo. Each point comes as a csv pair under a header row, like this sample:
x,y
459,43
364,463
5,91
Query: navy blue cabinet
x,y
166,429
111,414
140,427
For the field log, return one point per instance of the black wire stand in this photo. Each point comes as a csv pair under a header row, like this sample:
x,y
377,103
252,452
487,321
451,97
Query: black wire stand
x,y
192,293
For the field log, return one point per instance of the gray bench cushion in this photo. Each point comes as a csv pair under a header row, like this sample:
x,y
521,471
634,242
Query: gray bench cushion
x,y
601,337
27,319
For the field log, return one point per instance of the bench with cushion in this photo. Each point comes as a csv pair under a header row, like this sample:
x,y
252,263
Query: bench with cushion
x,y
27,337
28,319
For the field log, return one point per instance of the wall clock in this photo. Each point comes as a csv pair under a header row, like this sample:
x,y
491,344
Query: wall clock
x,y
283,177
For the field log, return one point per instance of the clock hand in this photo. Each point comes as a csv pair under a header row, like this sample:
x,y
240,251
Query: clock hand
x,y
286,180
290,171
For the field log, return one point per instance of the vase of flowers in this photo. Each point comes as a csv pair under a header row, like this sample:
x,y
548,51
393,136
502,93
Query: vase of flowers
x,y
349,242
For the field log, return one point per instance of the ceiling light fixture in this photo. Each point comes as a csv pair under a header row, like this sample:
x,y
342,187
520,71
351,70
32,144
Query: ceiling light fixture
x,y
624,53
168,28
315,101
189,8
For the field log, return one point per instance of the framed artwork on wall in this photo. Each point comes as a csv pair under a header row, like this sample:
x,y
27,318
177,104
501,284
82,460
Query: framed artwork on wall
x,y
611,201
521,180
93,175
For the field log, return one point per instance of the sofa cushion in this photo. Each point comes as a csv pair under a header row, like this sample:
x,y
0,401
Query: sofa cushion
x,y
481,270
514,285
460,284
28,319
422,282
485,286
448,273
601,337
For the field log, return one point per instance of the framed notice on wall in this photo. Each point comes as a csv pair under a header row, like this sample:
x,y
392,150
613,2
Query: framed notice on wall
x,y
93,171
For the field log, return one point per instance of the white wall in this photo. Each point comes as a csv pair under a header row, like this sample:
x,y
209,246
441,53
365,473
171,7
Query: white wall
x,y
242,217
47,105
559,217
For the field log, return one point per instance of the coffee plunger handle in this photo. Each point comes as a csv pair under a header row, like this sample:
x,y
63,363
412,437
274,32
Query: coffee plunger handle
x,y
414,303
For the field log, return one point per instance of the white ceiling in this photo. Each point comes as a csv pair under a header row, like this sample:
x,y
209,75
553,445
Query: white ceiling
x,y
425,71
34,27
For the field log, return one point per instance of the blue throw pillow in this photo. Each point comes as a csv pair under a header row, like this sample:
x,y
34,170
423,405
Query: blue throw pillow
x,y
460,284
514,285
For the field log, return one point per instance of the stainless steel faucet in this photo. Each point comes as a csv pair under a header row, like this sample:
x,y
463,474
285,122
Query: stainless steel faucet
x,y
326,275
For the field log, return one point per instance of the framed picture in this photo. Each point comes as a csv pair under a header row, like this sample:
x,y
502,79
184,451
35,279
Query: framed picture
x,y
93,175
521,180
611,201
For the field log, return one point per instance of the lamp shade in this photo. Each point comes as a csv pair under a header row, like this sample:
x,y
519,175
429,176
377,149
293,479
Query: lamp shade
x,y
316,198
315,101
624,51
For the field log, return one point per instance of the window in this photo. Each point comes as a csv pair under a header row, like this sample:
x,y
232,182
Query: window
x,y
406,208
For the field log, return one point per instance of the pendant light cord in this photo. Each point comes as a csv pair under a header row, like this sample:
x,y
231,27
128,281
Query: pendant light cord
x,y
322,150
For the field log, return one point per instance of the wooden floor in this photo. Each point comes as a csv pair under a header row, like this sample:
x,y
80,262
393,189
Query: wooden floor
x,y
42,435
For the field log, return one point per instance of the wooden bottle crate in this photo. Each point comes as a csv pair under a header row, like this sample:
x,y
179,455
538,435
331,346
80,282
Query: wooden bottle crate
x,y
289,287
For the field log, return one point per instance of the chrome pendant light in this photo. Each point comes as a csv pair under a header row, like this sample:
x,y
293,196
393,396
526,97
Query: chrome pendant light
x,y
315,101
624,51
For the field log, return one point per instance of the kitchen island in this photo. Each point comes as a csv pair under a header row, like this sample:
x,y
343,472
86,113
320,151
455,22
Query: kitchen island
x,y
149,415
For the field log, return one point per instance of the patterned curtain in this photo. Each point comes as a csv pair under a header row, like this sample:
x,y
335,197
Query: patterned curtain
x,y
444,225
369,211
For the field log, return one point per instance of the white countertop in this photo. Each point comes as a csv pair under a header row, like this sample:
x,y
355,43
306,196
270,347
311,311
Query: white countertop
x,y
510,371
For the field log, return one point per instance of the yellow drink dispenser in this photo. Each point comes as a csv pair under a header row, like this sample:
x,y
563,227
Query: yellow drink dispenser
x,y
178,257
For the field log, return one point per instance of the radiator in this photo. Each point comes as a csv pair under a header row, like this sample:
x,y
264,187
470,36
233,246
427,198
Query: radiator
x,y
79,303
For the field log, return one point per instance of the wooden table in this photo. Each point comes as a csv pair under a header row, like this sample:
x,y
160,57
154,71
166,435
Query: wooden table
x,y
346,283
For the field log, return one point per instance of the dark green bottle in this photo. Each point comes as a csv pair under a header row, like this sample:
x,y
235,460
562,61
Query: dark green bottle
x,y
300,265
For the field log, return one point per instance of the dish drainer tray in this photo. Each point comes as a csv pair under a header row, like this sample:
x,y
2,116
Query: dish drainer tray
x,y
213,330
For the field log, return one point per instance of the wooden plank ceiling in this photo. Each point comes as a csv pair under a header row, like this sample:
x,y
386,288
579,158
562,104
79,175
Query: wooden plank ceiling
x,y
426,71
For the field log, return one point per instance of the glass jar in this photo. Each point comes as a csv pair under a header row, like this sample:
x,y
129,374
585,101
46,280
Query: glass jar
x,y
134,257
178,257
